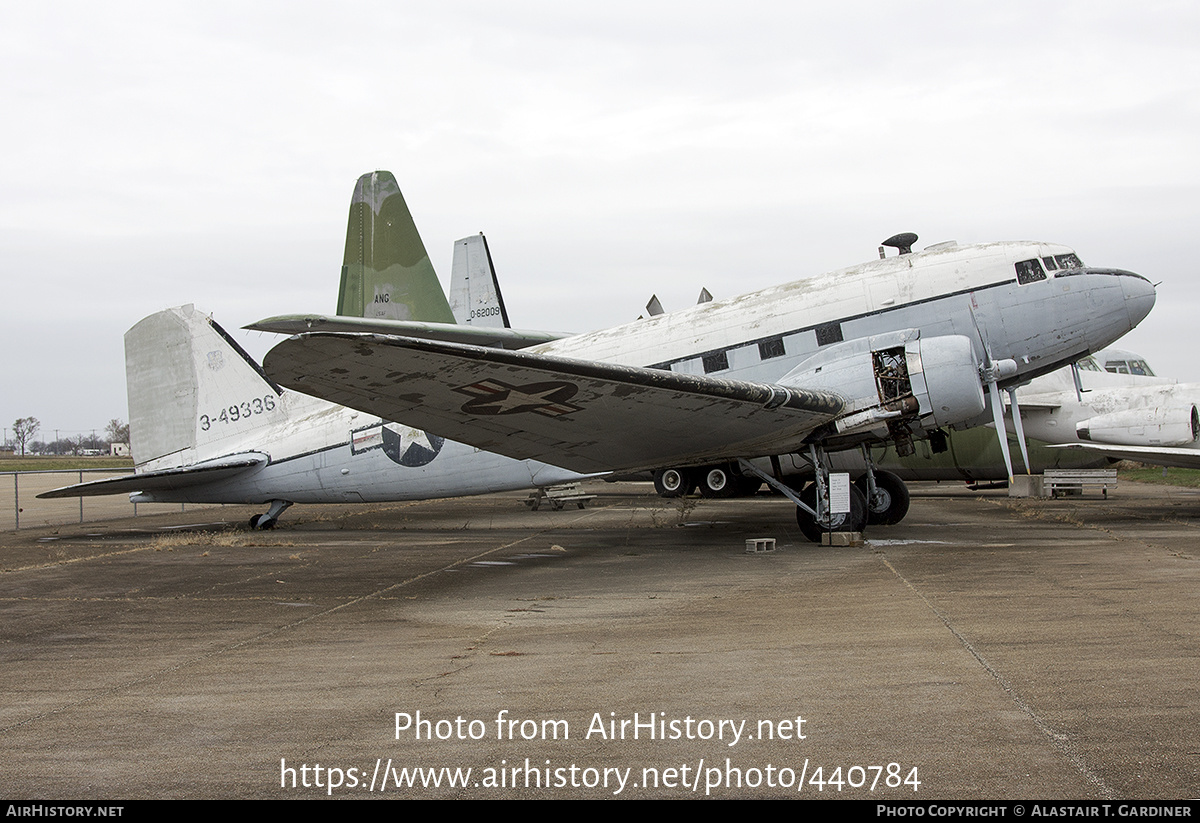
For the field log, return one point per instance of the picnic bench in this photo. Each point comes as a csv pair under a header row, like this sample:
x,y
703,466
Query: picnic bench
x,y
1077,481
558,496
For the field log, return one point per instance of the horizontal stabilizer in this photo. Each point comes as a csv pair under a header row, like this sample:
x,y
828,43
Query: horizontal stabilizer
x,y
194,475
1182,458
581,415
492,337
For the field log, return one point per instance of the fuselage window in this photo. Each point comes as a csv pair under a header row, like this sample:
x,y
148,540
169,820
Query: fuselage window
x,y
1089,364
715,362
771,348
829,333
1029,271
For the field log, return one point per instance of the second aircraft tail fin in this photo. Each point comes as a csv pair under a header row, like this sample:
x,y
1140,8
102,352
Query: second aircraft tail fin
x,y
475,295
386,272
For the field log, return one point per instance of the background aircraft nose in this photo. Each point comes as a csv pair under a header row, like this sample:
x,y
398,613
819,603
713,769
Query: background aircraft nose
x,y
1139,296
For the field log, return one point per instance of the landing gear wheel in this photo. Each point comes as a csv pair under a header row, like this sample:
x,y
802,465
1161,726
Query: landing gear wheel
x,y
674,482
718,481
855,521
261,522
890,503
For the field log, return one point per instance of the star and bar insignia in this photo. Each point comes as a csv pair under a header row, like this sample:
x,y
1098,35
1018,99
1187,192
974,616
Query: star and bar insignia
x,y
496,397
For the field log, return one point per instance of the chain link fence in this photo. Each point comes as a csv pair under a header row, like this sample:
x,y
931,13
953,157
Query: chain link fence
x,y
22,510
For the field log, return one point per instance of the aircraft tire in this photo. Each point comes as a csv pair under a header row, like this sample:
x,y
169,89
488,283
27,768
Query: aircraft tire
x,y
855,521
674,482
260,522
891,501
718,482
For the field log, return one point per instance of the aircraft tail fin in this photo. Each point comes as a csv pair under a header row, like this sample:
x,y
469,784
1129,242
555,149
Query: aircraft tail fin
x,y
194,394
386,272
475,295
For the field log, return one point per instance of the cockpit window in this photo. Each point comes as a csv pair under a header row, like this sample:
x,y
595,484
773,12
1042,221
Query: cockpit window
x,y
1062,261
1029,271
1139,367
1089,364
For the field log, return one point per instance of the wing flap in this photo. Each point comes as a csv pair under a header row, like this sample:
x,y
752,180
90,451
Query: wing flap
x,y
493,337
581,415
195,475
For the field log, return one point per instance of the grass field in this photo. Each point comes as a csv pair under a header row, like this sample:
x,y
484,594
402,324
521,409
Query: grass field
x,y
63,463
1140,473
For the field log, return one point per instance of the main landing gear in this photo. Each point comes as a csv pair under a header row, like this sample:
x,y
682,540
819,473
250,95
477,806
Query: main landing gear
x,y
813,524
813,509
713,481
877,497
267,521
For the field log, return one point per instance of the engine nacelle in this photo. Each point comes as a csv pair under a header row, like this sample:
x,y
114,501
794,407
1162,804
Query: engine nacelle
x,y
1159,426
897,377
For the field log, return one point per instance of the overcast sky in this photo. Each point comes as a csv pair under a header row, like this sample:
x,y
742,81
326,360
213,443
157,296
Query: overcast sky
x,y
155,154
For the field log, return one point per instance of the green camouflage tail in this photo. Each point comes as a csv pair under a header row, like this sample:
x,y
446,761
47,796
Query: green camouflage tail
x,y
386,271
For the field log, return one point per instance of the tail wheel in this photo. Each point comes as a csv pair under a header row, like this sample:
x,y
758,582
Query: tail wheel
x,y
674,482
719,481
890,502
853,521
262,522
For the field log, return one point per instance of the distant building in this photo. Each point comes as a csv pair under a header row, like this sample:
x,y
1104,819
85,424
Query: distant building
x,y
119,449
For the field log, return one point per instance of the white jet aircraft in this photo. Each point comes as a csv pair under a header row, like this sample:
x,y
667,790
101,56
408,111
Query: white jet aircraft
x,y
1122,414
895,349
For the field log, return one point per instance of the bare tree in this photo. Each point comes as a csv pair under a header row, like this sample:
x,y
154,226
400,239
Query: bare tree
x,y
23,429
117,431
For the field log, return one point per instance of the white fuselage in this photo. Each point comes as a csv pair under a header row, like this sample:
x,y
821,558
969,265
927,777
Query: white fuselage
x,y
960,290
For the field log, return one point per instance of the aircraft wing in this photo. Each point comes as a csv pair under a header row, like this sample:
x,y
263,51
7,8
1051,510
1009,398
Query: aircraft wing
x,y
194,475
1154,455
578,414
497,337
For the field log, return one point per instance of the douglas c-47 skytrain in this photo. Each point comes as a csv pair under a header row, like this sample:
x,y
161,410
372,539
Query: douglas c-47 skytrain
x,y
894,350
